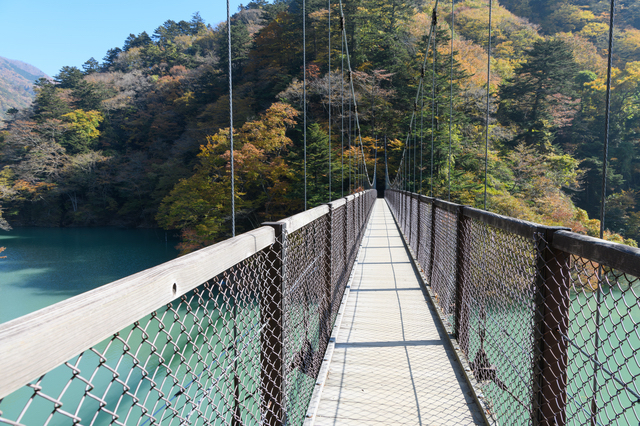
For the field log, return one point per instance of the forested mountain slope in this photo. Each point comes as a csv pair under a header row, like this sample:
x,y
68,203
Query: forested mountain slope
x,y
16,84
141,138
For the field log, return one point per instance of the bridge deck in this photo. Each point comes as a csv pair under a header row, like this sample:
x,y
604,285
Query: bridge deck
x,y
390,364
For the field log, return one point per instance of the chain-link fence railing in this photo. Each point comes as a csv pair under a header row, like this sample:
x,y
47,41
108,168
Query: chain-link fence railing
x,y
547,319
231,334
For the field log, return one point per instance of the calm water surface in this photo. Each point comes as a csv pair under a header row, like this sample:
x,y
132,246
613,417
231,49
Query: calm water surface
x,y
47,265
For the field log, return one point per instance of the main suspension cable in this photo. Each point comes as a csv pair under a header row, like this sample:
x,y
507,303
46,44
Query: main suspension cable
x,y
353,96
402,170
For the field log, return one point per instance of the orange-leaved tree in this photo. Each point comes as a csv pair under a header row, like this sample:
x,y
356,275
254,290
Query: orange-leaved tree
x,y
200,206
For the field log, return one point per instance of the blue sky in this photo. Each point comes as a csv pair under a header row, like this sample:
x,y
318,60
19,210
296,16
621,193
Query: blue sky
x,y
50,34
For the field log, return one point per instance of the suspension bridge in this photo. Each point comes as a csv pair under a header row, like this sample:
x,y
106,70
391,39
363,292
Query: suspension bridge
x,y
382,307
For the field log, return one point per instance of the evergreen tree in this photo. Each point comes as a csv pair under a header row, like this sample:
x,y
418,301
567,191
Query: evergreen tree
x,y
68,77
540,95
240,45
90,66
141,40
48,103
110,58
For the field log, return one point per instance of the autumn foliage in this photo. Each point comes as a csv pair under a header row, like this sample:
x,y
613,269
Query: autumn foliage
x,y
142,139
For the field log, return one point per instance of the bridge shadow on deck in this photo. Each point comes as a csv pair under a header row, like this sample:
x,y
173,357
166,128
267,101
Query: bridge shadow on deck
x,y
392,362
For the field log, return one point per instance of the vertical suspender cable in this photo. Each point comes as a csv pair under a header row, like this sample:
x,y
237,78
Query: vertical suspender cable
x,y
386,167
236,393
433,96
409,159
304,89
486,142
233,189
605,153
411,151
342,104
603,202
451,101
415,155
422,125
330,100
349,141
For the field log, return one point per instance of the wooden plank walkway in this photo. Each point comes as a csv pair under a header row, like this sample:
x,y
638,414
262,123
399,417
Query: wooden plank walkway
x,y
390,364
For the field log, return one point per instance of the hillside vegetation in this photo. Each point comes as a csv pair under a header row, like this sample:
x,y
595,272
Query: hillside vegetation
x,y
16,84
141,138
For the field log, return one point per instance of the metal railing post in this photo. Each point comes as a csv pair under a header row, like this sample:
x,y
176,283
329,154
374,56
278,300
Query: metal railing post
x,y
433,241
272,336
551,328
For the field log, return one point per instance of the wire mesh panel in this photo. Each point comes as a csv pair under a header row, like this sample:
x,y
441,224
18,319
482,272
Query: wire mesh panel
x,y
195,361
352,249
603,341
495,330
391,197
443,270
307,312
406,213
414,220
339,251
424,245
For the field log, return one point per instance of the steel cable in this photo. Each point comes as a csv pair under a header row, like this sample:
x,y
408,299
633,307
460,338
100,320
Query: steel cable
x,y
450,102
233,190
486,147
330,89
304,90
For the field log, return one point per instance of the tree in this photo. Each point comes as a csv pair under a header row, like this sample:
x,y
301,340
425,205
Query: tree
x,y
48,103
83,130
90,66
110,58
89,96
587,135
200,205
68,77
141,40
240,46
540,98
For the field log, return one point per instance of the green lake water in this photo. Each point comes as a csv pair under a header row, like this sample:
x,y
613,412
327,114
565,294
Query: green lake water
x,y
613,357
46,265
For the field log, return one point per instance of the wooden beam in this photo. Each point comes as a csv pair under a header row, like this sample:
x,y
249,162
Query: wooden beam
x,y
299,220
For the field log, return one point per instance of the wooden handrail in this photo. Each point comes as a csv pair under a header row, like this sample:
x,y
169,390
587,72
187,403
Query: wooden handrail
x,y
34,344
